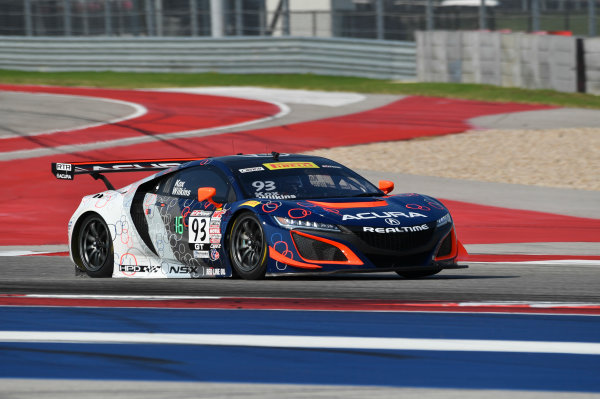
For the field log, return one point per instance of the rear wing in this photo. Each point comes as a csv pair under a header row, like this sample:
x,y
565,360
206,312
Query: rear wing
x,y
67,171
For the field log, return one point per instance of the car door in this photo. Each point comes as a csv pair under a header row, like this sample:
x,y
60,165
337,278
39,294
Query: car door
x,y
194,227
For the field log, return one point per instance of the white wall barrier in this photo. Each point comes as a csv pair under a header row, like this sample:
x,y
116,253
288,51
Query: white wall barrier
x,y
592,64
343,57
509,59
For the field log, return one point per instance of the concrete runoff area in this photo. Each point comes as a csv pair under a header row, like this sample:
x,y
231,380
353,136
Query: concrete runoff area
x,y
542,119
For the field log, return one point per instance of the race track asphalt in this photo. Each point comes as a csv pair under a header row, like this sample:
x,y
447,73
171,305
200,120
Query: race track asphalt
x,y
497,282
556,282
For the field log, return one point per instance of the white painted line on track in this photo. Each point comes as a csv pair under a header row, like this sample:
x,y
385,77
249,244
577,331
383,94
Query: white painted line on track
x,y
139,110
295,341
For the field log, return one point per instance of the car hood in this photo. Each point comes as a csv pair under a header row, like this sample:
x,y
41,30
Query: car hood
x,y
384,211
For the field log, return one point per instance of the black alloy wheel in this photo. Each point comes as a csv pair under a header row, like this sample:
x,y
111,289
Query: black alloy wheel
x,y
248,247
95,247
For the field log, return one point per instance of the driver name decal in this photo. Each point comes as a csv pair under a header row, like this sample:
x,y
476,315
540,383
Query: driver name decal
x,y
179,189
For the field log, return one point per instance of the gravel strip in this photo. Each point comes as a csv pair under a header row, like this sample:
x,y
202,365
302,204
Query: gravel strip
x,y
563,158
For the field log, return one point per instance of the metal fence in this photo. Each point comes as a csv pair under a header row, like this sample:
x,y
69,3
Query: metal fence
x,y
366,19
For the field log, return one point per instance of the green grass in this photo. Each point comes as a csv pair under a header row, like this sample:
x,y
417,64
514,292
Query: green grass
x,y
308,81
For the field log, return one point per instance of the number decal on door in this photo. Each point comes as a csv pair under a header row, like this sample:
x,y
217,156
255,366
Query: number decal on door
x,y
199,230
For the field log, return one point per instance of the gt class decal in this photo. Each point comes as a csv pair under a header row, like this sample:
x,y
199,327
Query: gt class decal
x,y
382,215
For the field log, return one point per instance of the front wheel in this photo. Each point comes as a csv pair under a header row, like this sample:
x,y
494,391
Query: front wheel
x,y
248,247
95,247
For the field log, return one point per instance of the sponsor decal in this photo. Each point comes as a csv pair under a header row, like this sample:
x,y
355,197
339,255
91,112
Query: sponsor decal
x,y
382,215
218,214
215,239
201,254
179,189
138,268
201,213
331,166
215,246
65,167
251,203
98,168
214,230
184,269
215,220
214,254
64,176
247,170
215,271
290,165
405,229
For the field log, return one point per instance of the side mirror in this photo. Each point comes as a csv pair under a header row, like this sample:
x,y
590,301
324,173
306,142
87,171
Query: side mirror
x,y
386,186
207,194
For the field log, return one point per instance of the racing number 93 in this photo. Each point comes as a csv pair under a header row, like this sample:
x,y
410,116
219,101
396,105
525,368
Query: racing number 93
x,y
198,233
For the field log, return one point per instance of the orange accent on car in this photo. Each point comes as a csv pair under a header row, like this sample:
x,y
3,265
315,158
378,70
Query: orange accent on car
x,y
351,258
284,259
462,251
347,205
386,186
455,247
207,194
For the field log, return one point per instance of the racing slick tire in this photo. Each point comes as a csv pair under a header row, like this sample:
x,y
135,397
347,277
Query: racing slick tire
x,y
417,274
95,247
248,247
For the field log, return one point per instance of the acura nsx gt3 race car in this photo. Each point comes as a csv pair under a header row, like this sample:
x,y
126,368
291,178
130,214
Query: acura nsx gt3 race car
x,y
251,216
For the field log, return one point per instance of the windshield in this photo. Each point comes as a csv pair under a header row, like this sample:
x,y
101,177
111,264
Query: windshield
x,y
283,180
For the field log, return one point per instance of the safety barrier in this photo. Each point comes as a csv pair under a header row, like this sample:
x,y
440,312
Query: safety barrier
x,y
562,63
343,57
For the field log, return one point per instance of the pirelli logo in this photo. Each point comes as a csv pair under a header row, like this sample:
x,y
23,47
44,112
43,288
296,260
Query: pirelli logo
x,y
289,165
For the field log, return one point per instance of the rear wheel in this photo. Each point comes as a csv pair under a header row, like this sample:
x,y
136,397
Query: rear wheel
x,y
248,247
417,274
95,247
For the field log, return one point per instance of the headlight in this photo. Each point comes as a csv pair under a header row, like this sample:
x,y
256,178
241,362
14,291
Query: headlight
x,y
305,224
444,220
